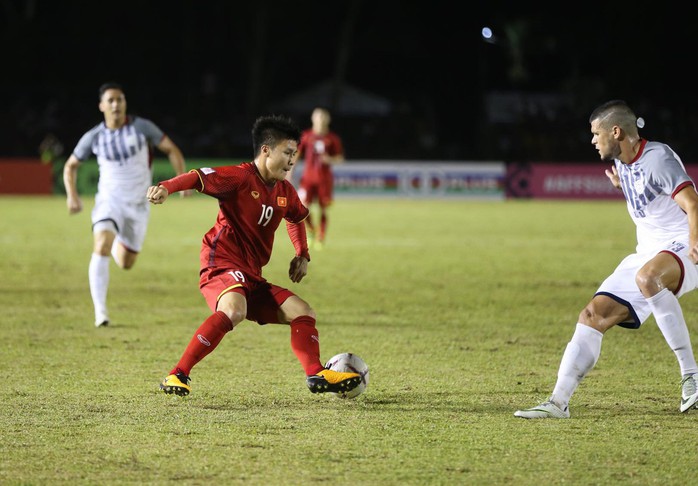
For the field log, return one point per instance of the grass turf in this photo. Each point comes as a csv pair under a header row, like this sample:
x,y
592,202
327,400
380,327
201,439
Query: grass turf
x,y
460,308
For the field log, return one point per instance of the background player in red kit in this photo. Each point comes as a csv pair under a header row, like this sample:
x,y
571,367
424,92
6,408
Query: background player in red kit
x,y
253,198
321,148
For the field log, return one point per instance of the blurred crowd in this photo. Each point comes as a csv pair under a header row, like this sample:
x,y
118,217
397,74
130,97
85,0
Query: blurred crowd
x,y
50,128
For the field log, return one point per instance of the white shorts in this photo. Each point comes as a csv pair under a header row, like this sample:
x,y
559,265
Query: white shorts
x,y
130,219
621,286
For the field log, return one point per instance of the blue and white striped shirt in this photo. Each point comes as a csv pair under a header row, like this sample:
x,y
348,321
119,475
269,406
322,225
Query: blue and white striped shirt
x,y
649,184
124,157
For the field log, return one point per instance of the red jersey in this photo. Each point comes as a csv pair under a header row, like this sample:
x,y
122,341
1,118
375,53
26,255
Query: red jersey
x,y
311,148
250,212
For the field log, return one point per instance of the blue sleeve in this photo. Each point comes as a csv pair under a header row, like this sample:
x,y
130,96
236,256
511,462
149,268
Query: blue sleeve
x,y
667,170
83,150
151,131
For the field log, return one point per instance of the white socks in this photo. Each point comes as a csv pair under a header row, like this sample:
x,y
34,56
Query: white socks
x,y
579,358
669,316
99,282
584,348
115,253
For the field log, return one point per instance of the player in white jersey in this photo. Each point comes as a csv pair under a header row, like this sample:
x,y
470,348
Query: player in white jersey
x,y
663,203
123,146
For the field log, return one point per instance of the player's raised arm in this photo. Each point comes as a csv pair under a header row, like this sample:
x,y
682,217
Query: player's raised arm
x,y
157,194
184,182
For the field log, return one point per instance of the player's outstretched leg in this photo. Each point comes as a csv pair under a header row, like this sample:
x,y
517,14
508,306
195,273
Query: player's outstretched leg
x,y
333,381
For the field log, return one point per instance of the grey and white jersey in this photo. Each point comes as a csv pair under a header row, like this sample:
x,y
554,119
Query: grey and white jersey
x,y
124,157
649,184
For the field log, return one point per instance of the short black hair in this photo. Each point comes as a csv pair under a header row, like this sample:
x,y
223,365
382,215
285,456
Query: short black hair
x,y
615,112
109,85
272,129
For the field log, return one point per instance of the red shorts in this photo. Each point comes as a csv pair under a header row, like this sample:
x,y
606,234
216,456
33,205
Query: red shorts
x,y
263,298
320,192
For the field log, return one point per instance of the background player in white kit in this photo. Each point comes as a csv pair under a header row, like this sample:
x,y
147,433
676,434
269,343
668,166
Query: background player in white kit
x,y
124,149
663,203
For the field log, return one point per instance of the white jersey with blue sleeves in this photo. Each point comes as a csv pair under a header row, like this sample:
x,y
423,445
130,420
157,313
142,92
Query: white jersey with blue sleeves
x,y
124,157
649,184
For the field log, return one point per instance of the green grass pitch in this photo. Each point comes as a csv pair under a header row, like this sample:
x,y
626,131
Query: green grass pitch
x,y
460,308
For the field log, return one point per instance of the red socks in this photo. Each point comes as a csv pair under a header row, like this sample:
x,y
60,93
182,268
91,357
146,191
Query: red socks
x,y
306,344
205,340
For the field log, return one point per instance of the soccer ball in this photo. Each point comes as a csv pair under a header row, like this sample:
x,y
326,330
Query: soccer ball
x,y
349,363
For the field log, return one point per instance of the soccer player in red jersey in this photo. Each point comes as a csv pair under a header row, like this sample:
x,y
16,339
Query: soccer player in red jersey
x,y
253,199
321,148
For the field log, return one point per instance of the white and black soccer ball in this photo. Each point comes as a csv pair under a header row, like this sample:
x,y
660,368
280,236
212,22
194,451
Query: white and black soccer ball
x,y
349,363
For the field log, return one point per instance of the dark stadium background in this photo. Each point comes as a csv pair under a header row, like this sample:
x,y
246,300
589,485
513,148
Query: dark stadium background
x,y
203,70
